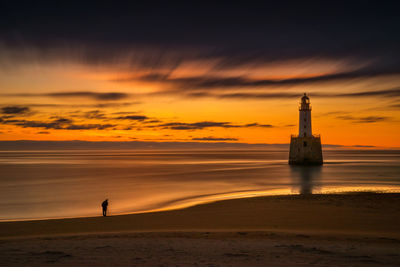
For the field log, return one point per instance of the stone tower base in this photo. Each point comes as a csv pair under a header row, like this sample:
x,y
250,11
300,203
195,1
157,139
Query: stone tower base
x,y
305,151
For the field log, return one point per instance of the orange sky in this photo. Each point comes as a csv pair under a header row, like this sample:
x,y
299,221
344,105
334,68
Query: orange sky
x,y
70,100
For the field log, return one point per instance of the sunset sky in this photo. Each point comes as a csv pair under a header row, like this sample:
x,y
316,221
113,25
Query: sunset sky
x,y
202,73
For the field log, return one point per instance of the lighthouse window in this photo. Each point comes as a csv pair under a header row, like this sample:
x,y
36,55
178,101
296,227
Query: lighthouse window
x,y
305,144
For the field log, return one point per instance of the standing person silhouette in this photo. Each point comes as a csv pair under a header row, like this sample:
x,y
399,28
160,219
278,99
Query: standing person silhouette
x,y
105,205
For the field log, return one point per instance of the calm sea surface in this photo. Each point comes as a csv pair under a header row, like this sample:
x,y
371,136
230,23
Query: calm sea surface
x,y
54,184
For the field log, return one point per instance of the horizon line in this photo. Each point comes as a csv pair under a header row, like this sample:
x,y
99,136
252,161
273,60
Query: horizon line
x,y
166,144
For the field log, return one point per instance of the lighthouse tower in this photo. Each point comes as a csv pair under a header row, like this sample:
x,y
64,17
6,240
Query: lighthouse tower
x,y
305,117
305,149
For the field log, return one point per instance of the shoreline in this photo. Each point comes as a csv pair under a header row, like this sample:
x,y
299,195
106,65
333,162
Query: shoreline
x,y
352,213
186,206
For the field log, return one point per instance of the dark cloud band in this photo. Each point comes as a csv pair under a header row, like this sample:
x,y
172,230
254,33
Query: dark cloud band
x,y
366,119
15,110
58,124
82,94
208,124
210,138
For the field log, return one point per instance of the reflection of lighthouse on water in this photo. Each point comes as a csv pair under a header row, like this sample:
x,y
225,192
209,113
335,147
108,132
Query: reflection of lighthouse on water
x,y
305,178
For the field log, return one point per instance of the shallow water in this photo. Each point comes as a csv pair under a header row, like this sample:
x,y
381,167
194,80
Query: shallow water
x,y
58,184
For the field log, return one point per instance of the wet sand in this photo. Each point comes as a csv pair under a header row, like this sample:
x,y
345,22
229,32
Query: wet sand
x,y
346,229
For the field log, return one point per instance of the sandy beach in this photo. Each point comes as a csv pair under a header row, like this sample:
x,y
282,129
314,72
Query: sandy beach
x,y
343,229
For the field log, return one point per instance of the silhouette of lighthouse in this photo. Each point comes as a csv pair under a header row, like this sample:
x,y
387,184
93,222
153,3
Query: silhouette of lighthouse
x,y
305,149
305,117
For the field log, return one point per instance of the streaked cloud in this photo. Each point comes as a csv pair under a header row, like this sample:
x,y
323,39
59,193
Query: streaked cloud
x,y
210,138
133,117
208,124
367,119
94,114
82,94
271,94
215,82
388,93
82,105
58,124
43,132
15,110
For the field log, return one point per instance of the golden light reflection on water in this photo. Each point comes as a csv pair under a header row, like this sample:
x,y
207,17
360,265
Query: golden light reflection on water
x,y
281,192
55,184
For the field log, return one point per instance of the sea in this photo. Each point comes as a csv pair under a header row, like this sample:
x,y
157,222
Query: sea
x,y
73,183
